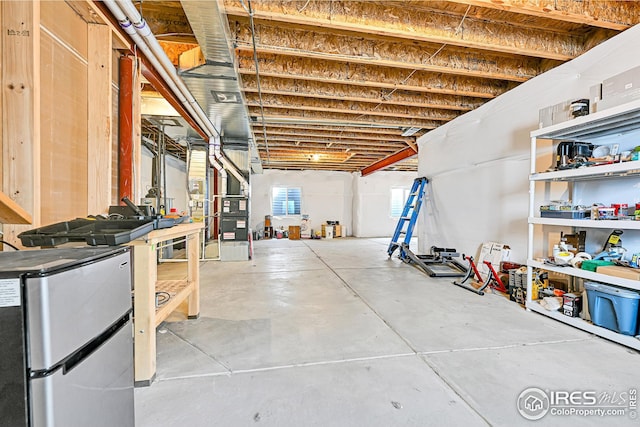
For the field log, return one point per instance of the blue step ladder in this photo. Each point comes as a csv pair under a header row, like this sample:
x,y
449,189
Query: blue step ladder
x,y
408,219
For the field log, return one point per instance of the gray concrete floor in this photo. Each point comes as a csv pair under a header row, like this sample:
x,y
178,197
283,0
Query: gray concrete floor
x,y
333,333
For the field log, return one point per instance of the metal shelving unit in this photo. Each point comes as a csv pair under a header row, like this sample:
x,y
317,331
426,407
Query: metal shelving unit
x,y
618,120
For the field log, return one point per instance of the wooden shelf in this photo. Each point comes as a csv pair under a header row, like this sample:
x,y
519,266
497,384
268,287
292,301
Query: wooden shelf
x,y
179,291
11,212
579,323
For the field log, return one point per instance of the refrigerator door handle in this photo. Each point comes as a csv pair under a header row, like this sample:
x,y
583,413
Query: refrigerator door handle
x,y
75,358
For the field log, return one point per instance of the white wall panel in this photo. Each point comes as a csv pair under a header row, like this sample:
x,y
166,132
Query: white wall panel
x,y
479,163
325,196
372,202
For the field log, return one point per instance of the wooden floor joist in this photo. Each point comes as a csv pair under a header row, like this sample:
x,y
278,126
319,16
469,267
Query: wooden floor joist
x,y
365,18
371,133
340,72
613,15
440,102
318,56
400,54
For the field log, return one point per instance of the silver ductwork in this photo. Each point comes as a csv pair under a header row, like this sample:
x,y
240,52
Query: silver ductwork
x,y
215,83
134,25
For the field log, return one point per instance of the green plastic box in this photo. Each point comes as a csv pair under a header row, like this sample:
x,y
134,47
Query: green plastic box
x,y
592,264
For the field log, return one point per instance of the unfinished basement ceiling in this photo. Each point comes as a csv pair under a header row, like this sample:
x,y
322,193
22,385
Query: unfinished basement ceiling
x,y
340,85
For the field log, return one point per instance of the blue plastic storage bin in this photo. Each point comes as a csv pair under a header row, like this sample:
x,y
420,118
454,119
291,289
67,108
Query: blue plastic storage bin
x,y
613,308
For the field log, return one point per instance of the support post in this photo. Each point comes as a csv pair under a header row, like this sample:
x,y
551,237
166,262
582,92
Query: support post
x,y
99,112
20,46
125,133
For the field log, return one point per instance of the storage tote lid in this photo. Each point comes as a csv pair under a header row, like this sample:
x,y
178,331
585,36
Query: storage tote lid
x,y
611,290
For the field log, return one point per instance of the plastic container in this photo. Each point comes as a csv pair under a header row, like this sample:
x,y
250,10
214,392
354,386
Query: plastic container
x,y
93,232
593,264
613,308
565,214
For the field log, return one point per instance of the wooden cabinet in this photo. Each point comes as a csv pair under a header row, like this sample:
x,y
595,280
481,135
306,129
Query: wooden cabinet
x,y
294,232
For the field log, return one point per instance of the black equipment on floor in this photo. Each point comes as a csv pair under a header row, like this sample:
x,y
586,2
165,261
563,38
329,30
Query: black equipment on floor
x,y
440,262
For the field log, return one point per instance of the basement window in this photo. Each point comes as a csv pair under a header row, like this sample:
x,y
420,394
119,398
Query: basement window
x,y
285,201
399,196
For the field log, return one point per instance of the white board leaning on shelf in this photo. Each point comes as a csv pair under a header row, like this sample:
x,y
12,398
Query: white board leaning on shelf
x,y
494,253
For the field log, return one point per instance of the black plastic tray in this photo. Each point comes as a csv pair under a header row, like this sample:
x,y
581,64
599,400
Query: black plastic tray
x,y
93,232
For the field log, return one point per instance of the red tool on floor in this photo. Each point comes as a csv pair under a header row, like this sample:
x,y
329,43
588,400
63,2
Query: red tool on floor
x,y
493,280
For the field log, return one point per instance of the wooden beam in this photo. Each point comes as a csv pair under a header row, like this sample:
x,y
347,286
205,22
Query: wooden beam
x,y
321,56
333,135
99,112
21,110
337,119
91,13
340,106
398,54
321,144
388,161
389,134
344,73
589,13
175,50
345,112
416,26
331,94
11,212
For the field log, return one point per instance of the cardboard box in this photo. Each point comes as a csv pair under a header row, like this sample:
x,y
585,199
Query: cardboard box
x,y
555,114
546,117
618,271
294,232
561,113
620,89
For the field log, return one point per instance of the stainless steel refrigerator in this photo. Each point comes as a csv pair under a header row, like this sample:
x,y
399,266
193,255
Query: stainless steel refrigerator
x,y
66,347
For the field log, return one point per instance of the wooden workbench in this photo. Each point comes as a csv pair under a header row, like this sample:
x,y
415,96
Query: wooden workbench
x,y
145,282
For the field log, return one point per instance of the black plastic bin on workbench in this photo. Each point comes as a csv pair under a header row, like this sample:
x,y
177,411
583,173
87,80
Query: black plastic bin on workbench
x,y
93,232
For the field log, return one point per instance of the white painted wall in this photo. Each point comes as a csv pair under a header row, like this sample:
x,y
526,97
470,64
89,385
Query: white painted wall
x,y
479,163
372,202
361,204
325,196
176,179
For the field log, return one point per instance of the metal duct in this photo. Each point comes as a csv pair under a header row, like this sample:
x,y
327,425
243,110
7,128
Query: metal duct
x,y
215,84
